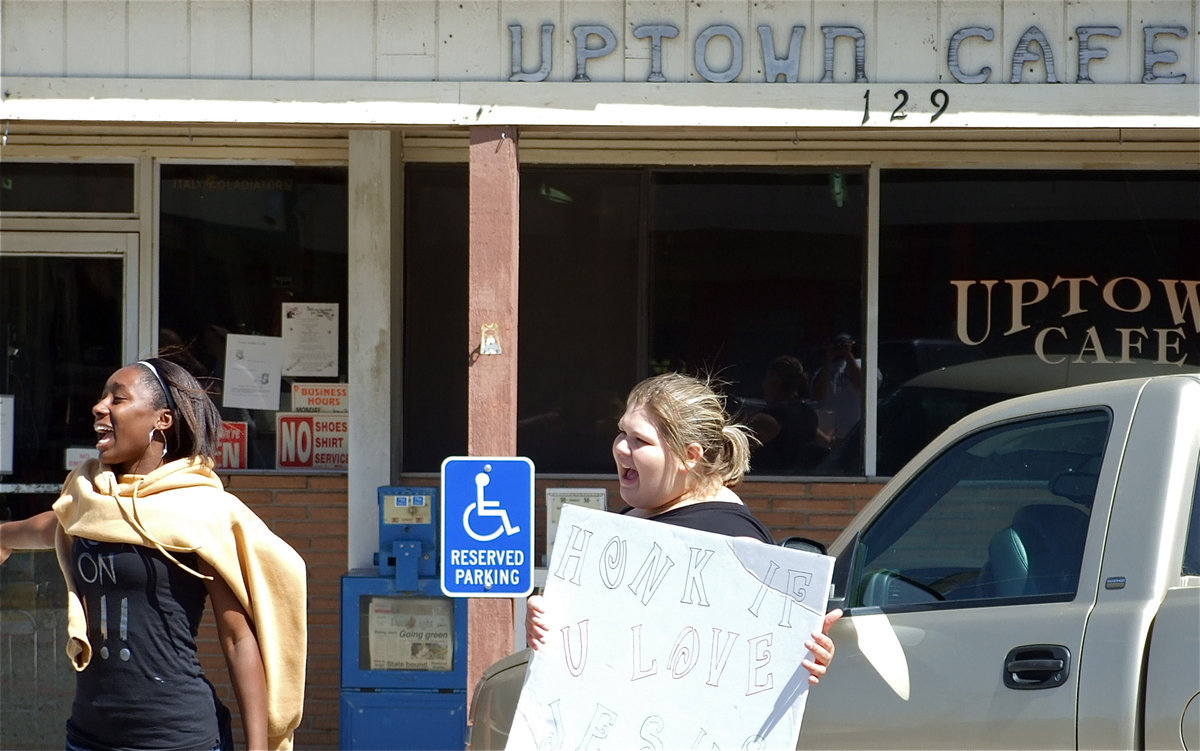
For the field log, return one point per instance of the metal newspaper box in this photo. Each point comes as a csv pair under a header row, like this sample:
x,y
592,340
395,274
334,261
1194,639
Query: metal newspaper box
x,y
404,643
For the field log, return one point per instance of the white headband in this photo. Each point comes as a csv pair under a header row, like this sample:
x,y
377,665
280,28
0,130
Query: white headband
x,y
161,383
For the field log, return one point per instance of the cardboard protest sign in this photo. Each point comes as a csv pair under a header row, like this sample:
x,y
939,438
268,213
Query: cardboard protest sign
x,y
663,637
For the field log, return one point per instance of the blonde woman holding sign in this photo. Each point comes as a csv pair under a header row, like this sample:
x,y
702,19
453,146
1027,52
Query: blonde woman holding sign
x,y
677,456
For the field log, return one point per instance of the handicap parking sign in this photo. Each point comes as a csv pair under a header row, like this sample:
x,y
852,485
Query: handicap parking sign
x,y
487,526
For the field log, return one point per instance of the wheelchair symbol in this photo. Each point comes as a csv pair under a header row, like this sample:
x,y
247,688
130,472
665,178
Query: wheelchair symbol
x,y
486,508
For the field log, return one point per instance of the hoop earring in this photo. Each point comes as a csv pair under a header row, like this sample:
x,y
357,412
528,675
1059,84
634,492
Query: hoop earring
x,y
164,437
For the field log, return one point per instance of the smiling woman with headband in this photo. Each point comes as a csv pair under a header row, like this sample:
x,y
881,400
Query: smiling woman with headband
x,y
151,514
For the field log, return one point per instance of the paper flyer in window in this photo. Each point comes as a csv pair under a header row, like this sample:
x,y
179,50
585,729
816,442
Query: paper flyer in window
x,y
7,409
411,634
74,456
233,445
310,338
252,366
321,397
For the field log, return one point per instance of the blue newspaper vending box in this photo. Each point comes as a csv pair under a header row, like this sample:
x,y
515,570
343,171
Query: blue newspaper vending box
x,y
404,643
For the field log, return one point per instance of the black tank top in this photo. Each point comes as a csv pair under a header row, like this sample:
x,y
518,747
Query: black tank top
x,y
144,688
722,517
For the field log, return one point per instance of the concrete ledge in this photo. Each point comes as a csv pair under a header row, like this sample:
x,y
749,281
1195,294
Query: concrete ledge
x,y
384,103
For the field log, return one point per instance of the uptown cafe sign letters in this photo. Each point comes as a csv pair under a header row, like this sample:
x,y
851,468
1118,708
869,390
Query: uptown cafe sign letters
x,y
1160,46
1055,303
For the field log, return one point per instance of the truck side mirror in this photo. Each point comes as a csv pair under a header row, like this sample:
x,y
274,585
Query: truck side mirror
x,y
807,544
841,567
843,572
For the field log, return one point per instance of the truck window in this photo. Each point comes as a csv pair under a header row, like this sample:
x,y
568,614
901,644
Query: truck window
x,y
1191,550
1001,515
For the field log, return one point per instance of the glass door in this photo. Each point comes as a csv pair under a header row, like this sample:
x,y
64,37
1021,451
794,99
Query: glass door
x,y
66,323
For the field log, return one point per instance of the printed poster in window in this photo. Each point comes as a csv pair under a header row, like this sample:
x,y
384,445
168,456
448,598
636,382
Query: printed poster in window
x,y
252,372
7,411
310,338
321,397
411,633
233,445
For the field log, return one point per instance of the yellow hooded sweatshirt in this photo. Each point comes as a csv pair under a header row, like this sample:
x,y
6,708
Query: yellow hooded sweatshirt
x,y
183,507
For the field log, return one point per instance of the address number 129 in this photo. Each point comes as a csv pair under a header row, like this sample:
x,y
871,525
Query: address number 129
x,y
939,98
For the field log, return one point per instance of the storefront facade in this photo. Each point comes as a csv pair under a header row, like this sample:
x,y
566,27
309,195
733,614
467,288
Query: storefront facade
x,y
985,198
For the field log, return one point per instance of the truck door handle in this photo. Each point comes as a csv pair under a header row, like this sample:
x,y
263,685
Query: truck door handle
x,y
1037,666
1025,666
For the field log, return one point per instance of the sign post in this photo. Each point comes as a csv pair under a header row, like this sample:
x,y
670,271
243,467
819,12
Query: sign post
x,y
487,527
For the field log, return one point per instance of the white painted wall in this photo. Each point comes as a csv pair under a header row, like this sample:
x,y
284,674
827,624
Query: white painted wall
x,y
437,40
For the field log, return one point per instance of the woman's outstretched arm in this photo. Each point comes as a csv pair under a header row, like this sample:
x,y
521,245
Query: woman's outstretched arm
x,y
34,533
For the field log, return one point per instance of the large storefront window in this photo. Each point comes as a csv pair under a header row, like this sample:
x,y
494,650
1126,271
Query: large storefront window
x,y
65,278
578,314
60,328
998,283
64,328
992,283
748,276
756,278
252,297
435,316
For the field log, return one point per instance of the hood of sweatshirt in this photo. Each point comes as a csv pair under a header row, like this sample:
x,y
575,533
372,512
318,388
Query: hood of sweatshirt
x,y
95,501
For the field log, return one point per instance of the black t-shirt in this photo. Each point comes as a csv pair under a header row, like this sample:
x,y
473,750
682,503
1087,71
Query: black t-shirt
x,y
144,688
722,517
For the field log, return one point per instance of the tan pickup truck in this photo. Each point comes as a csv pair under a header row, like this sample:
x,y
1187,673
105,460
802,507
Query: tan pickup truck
x,y
1030,580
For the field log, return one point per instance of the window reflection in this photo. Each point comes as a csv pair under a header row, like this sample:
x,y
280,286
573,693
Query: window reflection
x,y
60,332
999,283
749,267
66,187
627,271
757,278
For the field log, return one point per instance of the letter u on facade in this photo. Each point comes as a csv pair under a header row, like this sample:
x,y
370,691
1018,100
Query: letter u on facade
x,y
546,56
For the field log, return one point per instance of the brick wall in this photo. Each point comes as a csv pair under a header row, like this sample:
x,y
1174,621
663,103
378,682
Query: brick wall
x,y
309,511
818,510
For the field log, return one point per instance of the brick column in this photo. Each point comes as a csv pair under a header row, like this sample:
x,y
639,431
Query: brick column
x,y
492,378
